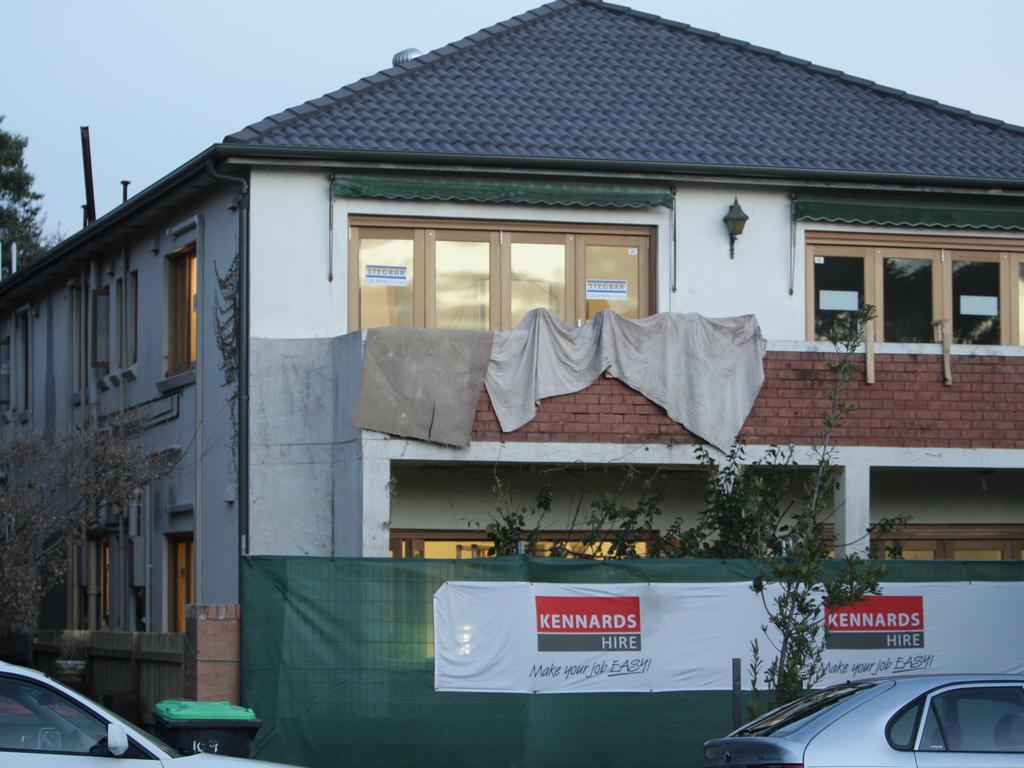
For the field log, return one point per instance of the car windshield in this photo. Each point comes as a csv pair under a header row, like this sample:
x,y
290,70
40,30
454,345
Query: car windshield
x,y
803,709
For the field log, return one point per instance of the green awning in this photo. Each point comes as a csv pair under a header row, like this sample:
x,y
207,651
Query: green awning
x,y
966,214
491,190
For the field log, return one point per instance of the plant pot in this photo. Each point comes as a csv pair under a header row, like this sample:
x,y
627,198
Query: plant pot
x,y
70,670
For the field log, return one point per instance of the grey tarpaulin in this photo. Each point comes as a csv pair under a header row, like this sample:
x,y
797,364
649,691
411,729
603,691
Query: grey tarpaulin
x,y
423,384
705,372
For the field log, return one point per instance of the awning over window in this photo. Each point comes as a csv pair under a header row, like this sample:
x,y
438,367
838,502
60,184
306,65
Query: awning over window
x,y
968,214
504,191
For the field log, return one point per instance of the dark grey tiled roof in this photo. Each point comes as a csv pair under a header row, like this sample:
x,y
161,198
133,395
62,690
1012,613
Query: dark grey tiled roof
x,y
583,80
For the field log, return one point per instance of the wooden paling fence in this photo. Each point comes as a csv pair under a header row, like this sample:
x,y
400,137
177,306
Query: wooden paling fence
x,y
127,671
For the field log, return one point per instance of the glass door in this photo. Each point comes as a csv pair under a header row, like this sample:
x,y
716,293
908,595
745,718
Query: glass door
x,y
611,273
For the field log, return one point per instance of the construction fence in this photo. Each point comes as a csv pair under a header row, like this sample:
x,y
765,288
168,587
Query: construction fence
x,y
338,662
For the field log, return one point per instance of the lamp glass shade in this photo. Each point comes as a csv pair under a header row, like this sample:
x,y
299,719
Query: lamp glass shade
x,y
735,219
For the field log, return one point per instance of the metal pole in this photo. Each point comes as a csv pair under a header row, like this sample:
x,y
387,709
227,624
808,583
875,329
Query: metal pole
x,y
737,695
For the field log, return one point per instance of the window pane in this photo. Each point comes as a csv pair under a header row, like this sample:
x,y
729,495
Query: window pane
x,y
385,282
457,550
5,372
463,279
612,279
975,302
538,278
838,294
132,338
908,300
901,729
36,719
978,720
1020,304
792,716
191,309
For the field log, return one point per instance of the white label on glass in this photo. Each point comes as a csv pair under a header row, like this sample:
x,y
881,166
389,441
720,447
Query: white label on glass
x,y
819,259
632,251
377,274
984,306
606,290
838,301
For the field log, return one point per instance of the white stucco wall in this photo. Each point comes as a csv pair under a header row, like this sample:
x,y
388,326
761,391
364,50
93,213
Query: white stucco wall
x,y
756,281
290,294
292,297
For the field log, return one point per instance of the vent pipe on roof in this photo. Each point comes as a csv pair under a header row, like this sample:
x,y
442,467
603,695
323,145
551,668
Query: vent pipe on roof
x,y
407,54
90,199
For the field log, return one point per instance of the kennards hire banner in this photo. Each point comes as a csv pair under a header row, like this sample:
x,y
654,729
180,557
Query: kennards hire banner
x,y
516,637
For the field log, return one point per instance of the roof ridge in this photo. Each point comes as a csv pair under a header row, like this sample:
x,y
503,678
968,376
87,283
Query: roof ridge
x,y
806,64
307,108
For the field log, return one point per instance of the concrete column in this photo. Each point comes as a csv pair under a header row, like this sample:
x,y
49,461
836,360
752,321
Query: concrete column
x,y
376,505
853,510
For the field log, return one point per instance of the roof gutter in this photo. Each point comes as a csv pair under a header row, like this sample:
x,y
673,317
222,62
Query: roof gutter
x,y
109,221
669,170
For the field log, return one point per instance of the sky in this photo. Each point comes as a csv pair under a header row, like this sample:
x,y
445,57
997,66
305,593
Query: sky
x,y
158,82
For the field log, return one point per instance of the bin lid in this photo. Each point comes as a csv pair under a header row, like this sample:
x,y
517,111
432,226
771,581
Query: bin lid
x,y
184,709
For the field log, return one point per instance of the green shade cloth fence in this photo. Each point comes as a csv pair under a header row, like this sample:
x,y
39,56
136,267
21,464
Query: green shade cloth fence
x,y
337,662
895,211
486,190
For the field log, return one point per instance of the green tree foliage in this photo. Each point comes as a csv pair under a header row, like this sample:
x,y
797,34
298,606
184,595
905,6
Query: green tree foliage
x,y
20,220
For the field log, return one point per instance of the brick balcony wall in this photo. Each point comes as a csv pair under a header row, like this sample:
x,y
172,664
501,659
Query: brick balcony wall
x,y
907,406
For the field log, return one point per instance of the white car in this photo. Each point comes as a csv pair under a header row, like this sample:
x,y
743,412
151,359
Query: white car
x,y
43,723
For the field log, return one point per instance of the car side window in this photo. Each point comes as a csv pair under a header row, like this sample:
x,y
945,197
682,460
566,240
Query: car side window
x,y
35,719
903,727
976,719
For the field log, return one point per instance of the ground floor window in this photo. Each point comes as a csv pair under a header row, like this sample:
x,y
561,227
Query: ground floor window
x,y
181,579
955,542
472,275
912,542
465,545
971,287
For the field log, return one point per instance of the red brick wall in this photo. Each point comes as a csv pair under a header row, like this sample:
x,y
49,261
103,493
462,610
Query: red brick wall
x,y
213,668
908,406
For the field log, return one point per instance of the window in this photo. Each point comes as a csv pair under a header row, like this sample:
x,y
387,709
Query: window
x,y
433,544
37,719
954,542
126,313
975,719
796,714
105,582
77,337
903,727
101,327
181,302
119,322
131,331
487,276
181,588
973,287
24,361
5,373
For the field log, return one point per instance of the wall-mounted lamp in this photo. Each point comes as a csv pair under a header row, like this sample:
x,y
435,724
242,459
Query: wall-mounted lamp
x,y
735,220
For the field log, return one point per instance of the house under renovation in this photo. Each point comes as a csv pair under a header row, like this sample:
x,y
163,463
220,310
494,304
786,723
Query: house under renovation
x,y
570,195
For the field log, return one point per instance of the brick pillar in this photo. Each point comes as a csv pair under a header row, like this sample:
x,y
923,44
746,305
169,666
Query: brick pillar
x,y
213,666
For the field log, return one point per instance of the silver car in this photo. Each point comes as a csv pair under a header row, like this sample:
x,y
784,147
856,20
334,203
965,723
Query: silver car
x,y
926,721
